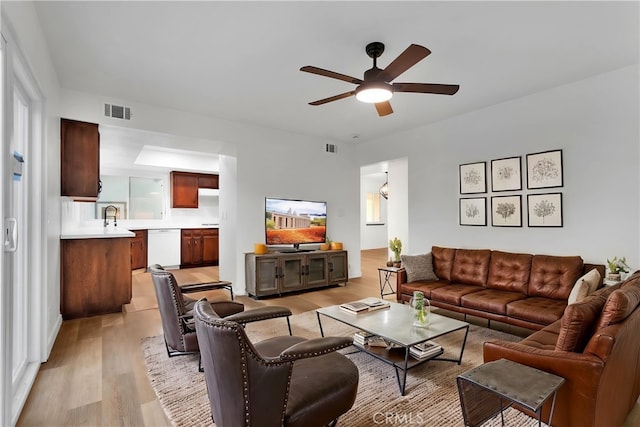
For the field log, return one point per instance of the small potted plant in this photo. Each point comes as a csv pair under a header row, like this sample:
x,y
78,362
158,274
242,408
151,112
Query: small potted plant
x,y
396,247
616,268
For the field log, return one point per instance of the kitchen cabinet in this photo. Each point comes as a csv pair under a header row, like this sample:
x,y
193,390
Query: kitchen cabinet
x,y
79,160
139,250
277,273
198,247
185,185
95,276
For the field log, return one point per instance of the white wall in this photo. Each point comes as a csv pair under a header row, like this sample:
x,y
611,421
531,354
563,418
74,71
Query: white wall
x,y
594,121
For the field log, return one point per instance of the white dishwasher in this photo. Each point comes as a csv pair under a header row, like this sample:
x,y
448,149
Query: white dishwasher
x,y
164,247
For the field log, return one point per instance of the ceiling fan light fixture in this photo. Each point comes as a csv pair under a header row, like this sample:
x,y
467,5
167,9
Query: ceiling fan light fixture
x,y
373,93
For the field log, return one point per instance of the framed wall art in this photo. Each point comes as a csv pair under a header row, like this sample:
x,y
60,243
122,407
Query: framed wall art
x,y
506,211
473,178
544,210
506,174
473,211
544,170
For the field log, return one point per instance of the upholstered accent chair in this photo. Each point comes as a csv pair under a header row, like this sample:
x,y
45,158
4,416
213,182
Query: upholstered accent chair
x,y
176,312
281,381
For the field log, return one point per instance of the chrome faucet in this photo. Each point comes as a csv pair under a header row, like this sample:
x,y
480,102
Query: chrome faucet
x,y
114,216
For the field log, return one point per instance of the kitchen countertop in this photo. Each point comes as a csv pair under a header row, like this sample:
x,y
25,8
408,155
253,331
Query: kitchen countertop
x,y
93,232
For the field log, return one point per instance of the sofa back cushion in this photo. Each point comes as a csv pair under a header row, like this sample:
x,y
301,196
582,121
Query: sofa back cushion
x,y
443,261
621,302
579,322
471,266
509,271
554,276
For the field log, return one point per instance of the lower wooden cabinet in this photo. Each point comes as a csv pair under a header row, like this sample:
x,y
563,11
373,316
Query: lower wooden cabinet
x,y
277,273
139,250
95,276
198,247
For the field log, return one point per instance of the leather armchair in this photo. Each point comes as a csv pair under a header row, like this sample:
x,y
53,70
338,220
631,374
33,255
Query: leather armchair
x,y
281,381
176,313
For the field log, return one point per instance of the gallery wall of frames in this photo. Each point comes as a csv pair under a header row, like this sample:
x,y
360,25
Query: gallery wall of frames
x,y
506,204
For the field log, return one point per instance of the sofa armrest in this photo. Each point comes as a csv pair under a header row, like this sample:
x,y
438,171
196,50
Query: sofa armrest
x,y
401,277
315,347
561,363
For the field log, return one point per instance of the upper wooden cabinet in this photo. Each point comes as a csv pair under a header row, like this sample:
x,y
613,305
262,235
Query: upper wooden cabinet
x,y
79,160
184,187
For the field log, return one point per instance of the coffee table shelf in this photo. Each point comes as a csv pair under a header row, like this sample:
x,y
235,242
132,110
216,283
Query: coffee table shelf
x,y
395,325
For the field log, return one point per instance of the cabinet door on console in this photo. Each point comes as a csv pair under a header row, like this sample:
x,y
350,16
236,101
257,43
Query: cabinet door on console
x,y
293,269
316,270
266,275
338,267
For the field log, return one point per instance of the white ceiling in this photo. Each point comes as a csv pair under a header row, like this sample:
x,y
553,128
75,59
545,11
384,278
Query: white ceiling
x,y
240,60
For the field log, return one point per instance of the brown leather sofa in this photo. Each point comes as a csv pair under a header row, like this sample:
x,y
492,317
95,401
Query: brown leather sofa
x,y
525,290
595,347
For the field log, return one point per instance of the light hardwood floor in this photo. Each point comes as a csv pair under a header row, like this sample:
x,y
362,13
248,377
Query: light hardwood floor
x,y
96,375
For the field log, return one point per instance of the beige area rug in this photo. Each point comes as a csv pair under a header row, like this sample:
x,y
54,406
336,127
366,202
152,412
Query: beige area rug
x,y
431,397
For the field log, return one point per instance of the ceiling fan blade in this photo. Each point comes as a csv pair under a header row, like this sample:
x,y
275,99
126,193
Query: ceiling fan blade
x,y
439,89
332,74
407,59
384,108
333,98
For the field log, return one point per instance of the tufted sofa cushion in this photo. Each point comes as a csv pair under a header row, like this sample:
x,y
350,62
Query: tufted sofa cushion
x,y
554,276
509,271
443,261
471,266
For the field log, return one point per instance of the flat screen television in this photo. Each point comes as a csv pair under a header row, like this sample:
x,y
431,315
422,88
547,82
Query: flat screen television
x,y
294,222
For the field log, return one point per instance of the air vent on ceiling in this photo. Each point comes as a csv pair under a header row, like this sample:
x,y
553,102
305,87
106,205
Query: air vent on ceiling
x,y
117,111
331,148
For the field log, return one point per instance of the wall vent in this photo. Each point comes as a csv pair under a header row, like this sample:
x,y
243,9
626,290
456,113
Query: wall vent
x,y
117,111
331,148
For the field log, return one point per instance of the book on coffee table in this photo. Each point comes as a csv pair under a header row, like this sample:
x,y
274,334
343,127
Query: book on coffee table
x,y
364,305
425,349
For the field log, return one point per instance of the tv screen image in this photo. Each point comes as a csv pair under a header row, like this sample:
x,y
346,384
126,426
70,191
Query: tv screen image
x,y
295,222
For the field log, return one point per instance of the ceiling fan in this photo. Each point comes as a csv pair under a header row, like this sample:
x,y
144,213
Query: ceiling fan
x,y
376,86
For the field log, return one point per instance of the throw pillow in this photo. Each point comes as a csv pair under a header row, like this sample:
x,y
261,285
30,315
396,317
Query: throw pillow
x,y
419,267
584,286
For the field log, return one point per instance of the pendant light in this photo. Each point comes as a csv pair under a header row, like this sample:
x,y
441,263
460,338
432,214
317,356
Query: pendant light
x,y
384,190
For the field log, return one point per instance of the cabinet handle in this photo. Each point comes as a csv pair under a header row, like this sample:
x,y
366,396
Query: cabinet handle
x,y
330,266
